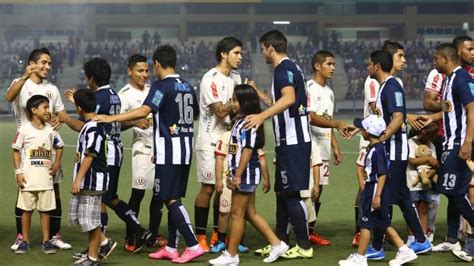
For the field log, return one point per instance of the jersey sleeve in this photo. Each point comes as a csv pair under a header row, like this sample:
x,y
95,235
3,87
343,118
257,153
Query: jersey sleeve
x,y
283,77
57,140
154,99
394,98
381,158
312,99
371,87
434,82
57,101
412,148
248,138
222,146
124,107
464,89
210,92
94,142
17,143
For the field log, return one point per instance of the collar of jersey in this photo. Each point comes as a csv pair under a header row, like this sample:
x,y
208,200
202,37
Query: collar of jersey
x,y
172,76
456,69
283,59
104,87
389,77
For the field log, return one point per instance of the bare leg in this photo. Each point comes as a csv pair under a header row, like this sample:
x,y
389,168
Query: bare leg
x,y
240,202
260,224
394,237
26,225
44,220
364,241
94,241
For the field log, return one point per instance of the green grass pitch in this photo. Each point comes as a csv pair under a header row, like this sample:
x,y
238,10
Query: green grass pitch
x,y
336,219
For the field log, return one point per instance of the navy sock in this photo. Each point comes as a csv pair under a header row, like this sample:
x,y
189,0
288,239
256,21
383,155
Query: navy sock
x,y
104,220
55,219
156,214
18,214
173,234
282,227
200,219
221,236
317,206
356,216
464,208
377,241
134,203
453,221
215,210
411,218
127,215
311,227
179,216
299,218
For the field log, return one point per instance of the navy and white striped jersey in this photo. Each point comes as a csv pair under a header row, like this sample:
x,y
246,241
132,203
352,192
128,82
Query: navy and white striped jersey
x,y
174,107
290,127
108,103
92,142
241,138
391,99
376,162
458,92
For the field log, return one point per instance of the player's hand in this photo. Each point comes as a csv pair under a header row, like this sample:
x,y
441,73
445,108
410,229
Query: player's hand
x,y
337,156
266,185
315,192
235,182
76,187
341,126
20,181
419,121
54,121
69,94
466,150
30,68
251,83
142,123
253,121
102,119
54,169
376,202
219,186
433,162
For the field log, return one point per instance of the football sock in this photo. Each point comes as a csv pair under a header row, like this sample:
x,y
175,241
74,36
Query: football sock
x,y
299,218
221,236
55,219
104,220
179,216
127,215
156,214
411,218
377,241
134,203
200,219
356,216
173,234
18,214
282,227
215,209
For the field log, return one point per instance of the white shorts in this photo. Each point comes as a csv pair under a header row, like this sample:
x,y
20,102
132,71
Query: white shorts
x,y
310,209
143,171
361,158
205,167
324,173
42,200
225,200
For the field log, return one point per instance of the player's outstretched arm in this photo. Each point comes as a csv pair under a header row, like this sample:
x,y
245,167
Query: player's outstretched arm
x,y
72,123
137,113
420,121
264,98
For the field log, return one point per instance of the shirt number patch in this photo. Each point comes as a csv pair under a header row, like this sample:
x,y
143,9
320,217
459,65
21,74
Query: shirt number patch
x,y
399,99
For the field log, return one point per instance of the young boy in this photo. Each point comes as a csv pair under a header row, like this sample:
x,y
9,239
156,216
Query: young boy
x,y
34,170
374,200
90,178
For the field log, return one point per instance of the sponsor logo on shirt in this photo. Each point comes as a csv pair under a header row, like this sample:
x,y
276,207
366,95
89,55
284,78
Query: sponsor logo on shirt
x,y
174,129
302,110
399,99
290,76
471,87
157,98
215,94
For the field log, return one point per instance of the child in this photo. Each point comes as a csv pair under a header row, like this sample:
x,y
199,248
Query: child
x,y
225,194
374,201
90,178
34,170
422,195
244,168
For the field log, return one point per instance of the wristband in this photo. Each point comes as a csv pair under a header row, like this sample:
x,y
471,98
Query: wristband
x,y
18,171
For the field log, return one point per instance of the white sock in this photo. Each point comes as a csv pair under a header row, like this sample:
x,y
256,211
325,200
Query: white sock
x,y
359,256
104,242
194,248
170,249
404,248
91,258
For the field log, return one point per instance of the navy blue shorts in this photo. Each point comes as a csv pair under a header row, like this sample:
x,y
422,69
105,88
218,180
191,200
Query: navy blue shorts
x,y
292,167
370,218
111,193
171,181
247,188
454,174
397,181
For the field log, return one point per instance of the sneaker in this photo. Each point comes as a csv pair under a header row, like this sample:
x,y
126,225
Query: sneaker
x,y
157,242
164,254
356,240
225,259
420,248
461,254
105,250
354,260
140,241
430,236
318,240
372,254
242,248
203,243
410,240
129,245
18,240
403,257
22,248
86,261
81,254
214,238
59,243
218,247
188,255
276,252
263,251
446,246
48,248
298,253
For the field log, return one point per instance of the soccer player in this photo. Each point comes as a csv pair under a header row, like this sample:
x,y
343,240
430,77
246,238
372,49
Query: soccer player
x,y
132,96
34,82
216,89
34,170
98,72
287,108
458,121
173,104
90,177
321,110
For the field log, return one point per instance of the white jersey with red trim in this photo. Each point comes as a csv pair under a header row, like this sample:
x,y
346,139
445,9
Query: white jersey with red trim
x,y
371,89
215,87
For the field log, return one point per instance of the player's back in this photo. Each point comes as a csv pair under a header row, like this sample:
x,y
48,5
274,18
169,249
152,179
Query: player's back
x,y
108,103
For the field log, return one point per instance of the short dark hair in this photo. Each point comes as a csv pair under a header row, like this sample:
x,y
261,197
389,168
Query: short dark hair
x,y
37,53
136,58
320,57
448,50
99,69
383,58
86,100
226,45
460,40
166,56
276,39
35,101
391,47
